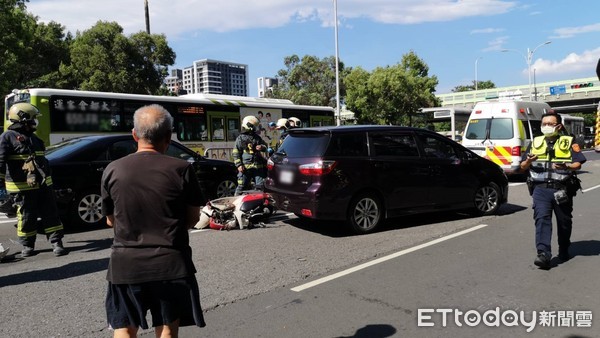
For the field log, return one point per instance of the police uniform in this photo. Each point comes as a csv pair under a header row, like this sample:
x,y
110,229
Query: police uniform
x,y
26,174
545,182
254,163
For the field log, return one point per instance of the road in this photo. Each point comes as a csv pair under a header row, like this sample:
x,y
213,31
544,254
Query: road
x,y
268,282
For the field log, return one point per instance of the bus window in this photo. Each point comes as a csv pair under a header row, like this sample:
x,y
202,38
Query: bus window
x,y
233,128
218,128
191,128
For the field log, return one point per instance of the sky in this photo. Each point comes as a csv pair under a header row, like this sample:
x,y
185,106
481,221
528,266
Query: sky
x,y
460,40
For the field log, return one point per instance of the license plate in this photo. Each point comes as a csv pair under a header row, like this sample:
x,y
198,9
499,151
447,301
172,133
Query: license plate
x,y
286,177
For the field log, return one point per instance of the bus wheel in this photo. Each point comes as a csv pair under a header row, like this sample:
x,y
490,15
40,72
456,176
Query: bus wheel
x,y
86,210
226,188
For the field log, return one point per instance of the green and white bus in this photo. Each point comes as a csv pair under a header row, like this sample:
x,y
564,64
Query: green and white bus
x,y
208,124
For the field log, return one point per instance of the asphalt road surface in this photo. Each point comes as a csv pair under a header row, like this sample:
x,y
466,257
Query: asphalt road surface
x,y
297,279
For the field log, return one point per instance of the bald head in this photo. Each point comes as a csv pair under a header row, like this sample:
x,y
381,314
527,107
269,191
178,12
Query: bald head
x,y
153,124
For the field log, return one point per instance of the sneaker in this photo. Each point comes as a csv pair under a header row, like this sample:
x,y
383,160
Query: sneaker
x,y
27,251
542,260
58,249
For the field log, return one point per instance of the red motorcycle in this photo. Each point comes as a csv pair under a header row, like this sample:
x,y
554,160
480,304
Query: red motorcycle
x,y
237,212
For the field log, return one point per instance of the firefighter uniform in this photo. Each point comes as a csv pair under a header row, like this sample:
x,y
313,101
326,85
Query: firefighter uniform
x,y
545,185
253,162
25,171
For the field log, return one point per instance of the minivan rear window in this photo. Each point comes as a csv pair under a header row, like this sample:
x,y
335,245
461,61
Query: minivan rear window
x,y
304,145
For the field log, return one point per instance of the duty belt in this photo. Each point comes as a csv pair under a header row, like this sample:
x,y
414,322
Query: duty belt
x,y
550,185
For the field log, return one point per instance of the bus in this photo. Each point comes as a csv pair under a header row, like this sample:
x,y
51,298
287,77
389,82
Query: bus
x,y
206,123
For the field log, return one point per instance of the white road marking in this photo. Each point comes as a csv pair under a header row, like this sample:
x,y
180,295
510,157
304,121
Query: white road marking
x,y
382,259
591,188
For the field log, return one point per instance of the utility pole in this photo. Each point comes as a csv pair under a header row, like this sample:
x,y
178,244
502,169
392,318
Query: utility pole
x,y
147,16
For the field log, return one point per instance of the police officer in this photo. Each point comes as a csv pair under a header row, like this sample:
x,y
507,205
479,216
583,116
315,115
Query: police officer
x,y
248,156
552,161
25,172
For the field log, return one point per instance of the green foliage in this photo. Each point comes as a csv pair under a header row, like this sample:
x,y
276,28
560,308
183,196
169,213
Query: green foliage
x,y
309,81
480,85
35,54
391,94
28,50
103,59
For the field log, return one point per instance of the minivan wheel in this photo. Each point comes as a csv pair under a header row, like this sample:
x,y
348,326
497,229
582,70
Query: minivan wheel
x,y
487,199
365,214
86,210
226,188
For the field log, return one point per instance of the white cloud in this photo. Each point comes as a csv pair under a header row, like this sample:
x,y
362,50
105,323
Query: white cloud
x,y
569,32
185,16
584,63
496,44
487,30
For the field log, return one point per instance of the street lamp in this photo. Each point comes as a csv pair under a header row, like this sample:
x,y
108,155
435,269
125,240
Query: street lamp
x,y
476,62
337,70
528,59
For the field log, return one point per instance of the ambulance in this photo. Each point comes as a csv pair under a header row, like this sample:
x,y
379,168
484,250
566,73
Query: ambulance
x,y
501,131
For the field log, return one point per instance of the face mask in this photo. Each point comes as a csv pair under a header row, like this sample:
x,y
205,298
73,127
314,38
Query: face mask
x,y
549,131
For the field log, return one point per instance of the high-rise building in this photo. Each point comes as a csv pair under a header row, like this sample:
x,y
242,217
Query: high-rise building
x,y
265,84
216,77
174,80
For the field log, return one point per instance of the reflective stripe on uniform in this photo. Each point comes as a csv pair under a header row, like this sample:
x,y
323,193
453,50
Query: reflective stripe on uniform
x,y
19,186
54,229
20,232
18,157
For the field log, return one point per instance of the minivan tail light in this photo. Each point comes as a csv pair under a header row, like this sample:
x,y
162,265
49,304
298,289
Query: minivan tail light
x,y
516,151
270,164
318,168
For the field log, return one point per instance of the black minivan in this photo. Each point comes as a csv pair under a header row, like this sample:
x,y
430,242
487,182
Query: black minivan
x,y
364,174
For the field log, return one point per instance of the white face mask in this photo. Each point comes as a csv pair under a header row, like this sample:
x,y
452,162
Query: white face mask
x,y
549,131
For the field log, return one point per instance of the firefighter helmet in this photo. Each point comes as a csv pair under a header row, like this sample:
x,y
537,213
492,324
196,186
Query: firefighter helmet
x,y
250,123
23,113
295,122
283,124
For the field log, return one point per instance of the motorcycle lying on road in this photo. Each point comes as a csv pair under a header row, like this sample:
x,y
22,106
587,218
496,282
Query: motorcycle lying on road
x,y
245,211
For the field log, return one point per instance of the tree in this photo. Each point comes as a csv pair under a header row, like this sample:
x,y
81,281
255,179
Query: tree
x,y
309,81
480,85
103,59
391,94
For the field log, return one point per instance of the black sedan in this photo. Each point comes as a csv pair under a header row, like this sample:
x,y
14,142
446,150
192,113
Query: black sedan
x,y
77,165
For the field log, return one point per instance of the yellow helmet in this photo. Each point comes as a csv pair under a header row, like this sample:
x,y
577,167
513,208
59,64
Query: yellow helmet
x,y
295,122
283,124
250,123
23,113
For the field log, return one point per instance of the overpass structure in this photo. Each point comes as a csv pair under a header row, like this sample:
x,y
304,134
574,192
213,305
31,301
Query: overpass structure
x,y
569,96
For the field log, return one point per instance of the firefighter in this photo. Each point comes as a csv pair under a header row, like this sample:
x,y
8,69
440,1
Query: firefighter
x,y
248,156
25,172
282,125
552,161
295,122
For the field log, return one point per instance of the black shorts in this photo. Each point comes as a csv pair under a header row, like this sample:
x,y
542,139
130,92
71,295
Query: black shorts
x,y
127,304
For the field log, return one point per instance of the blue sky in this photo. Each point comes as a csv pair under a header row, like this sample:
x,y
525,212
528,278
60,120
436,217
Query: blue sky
x,y
449,35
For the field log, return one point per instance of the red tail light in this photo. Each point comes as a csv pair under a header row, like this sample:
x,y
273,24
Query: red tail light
x,y
318,168
306,212
515,151
270,164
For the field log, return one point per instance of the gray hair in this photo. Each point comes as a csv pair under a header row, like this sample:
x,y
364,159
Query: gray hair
x,y
153,123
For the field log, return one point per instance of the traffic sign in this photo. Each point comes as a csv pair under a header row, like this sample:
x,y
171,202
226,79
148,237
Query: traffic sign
x,y
556,90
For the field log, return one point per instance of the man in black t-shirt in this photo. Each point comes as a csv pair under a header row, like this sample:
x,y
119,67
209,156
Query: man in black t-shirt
x,y
151,200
